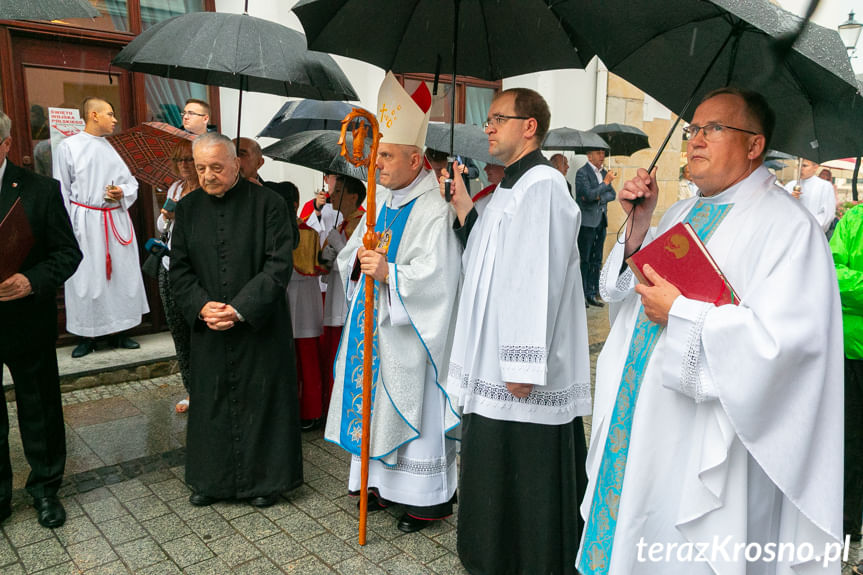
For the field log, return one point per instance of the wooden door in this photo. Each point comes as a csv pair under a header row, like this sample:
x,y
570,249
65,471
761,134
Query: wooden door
x,y
59,72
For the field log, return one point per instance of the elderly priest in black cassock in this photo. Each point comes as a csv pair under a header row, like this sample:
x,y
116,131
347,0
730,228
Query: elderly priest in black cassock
x,y
230,264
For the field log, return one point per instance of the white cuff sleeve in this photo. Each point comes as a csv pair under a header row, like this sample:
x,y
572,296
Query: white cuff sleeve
x,y
522,364
684,366
397,312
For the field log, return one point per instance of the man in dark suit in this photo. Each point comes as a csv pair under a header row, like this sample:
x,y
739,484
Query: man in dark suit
x,y
28,316
593,191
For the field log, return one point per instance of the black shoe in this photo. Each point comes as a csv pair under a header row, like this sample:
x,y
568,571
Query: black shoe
x,y
264,500
85,347
375,503
124,342
50,511
594,302
408,524
201,500
5,511
310,424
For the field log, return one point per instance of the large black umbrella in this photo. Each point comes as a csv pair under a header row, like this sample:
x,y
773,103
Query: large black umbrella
x,y
623,139
318,150
573,140
667,51
236,51
489,39
46,9
470,141
304,115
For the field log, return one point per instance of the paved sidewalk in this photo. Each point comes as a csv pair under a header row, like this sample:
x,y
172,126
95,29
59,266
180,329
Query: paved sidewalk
x,y
128,505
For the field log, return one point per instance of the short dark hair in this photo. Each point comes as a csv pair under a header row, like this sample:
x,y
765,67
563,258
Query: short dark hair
x,y
88,104
201,103
353,186
531,104
292,193
756,107
436,155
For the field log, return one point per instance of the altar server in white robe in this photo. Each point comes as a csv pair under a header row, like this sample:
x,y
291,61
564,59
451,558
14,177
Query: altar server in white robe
x,y
815,194
416,272
717,430
106,295
520,369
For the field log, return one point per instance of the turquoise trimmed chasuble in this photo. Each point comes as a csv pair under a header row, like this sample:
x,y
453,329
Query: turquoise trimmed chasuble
x,y
600,527
390,226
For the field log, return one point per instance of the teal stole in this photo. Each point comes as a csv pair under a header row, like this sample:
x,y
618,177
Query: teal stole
x,y
390,226
601,524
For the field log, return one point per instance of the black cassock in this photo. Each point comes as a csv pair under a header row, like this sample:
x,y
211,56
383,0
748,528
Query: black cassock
x,y
243,434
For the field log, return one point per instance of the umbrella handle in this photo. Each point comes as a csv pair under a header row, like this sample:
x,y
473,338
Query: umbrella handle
x,y
356,157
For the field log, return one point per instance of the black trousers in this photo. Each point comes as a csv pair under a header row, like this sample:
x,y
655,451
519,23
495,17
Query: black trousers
x,y
40,419
590,242
853,505
180,330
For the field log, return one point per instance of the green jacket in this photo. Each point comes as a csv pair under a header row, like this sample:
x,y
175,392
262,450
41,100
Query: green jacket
x,y
847,247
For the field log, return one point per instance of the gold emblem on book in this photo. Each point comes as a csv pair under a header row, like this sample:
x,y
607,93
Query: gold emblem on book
x,y
678,245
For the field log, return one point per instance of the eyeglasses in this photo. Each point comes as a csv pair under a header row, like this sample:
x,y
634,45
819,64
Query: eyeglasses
x,y
499,119
185,159
712,132
190,113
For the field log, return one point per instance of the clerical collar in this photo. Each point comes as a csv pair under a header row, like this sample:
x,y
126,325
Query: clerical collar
x,y
513,172
400,197
3,168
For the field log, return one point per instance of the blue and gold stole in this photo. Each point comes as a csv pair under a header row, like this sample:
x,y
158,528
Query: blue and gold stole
x,y
390,226
601,524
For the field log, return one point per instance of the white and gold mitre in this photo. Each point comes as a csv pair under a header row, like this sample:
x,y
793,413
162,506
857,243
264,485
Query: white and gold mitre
x,y
403,118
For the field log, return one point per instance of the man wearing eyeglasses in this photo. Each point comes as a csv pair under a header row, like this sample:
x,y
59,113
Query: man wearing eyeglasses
x,y
519,369
196,116
719,427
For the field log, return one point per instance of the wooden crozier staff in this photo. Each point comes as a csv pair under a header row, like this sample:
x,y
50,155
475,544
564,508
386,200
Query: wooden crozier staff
x,y
370,242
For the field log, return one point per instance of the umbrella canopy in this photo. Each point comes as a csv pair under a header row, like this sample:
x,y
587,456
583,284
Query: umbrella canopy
x,y
236,51
777,155
304,115
623,139
573,140
470,141
46,9
318,150
147,150
666,52
418,36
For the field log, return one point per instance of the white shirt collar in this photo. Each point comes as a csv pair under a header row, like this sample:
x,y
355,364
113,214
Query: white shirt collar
x,y
3,168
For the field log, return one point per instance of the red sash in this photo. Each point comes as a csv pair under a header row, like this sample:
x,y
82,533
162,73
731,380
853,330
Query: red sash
x,y
108,217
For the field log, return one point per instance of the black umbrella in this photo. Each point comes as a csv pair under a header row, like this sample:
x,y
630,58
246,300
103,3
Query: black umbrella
x,y
318,150
46,9
689,47
470,141
623,139
573,140
236,51
777,155
489,39
304,115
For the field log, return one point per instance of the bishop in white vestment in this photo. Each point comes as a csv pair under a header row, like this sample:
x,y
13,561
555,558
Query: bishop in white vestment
x,y
416,271
717,431
106,294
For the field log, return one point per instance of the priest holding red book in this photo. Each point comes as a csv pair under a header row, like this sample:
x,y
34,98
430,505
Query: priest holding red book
x,y
719,424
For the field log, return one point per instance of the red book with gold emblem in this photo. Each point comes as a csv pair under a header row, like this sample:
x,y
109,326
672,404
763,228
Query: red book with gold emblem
x,y
680,257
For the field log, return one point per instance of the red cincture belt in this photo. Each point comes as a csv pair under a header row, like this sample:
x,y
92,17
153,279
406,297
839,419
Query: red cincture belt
x,y
108,218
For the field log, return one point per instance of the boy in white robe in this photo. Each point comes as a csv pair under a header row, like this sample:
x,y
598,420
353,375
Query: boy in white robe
x,y
815,194
106,294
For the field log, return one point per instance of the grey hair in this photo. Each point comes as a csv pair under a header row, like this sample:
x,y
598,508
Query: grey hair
x,y
208,139
5,126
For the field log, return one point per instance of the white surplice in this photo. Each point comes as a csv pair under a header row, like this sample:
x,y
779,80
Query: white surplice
x,y
521,313
817,196
96,306
323,223
737,429
413,459
307,310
